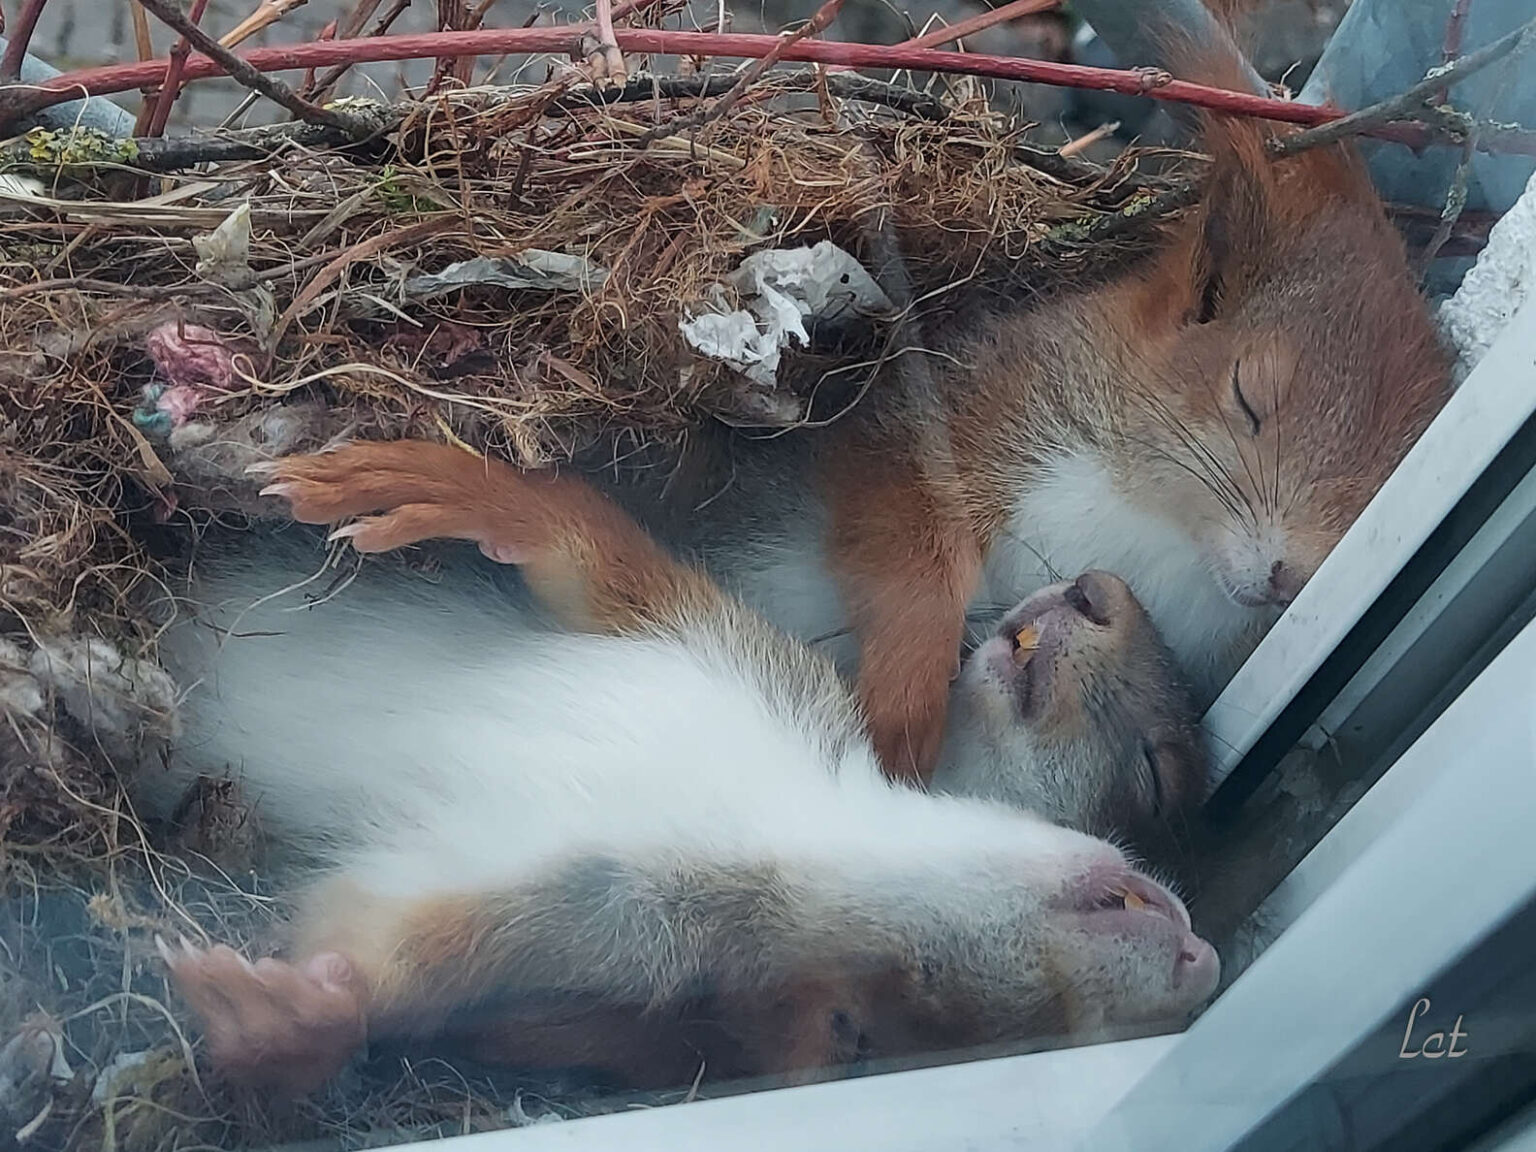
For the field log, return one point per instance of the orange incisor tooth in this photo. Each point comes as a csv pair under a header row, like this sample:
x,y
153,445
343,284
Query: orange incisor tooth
x,y
1134,902
1026,639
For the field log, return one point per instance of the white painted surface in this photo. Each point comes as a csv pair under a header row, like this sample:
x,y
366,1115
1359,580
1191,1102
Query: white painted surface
x,y
1474,426
1038,1103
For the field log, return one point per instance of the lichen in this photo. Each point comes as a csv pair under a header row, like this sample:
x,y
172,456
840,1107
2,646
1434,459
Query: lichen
x,y
79,148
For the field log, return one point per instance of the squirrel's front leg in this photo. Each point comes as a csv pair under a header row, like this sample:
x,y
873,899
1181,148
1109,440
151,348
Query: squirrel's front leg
x,y
907,563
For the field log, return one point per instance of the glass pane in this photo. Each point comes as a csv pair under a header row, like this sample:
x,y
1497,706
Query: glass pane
x,y
523,598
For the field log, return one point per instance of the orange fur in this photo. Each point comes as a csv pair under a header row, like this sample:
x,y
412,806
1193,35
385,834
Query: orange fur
x,y
579,552
907,565
912,519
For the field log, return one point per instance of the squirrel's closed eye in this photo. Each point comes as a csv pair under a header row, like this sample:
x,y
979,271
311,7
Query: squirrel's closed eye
x,y
1242,401
1155,786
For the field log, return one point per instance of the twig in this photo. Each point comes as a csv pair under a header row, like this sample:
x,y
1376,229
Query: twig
x,y
1451,48
20,37
306,89
171,89
949,33
1087,139
248,74
1453,30
1137,82
452,16
20,101
1455,201
268,13
603,54
816,24
364,10
1411,104
146,51
980,23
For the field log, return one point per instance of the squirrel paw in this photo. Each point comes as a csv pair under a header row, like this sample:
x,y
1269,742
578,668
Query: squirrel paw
x,y
419,490
272,1024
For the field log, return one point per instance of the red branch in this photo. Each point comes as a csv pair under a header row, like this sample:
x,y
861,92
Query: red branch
x,y
21,36
173,74
488,42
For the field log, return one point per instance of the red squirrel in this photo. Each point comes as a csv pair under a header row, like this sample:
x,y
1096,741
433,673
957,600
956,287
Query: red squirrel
x,y
1206,424
656,841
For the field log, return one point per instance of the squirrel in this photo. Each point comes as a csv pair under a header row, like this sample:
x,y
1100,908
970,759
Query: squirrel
x,y
657,840
1206,423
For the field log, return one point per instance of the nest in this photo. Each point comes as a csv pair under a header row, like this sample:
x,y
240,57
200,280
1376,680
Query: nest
x,y
508,269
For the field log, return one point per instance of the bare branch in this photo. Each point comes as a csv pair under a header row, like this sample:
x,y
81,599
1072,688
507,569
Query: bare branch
x,y
252,77
21,36
816,24
1413,104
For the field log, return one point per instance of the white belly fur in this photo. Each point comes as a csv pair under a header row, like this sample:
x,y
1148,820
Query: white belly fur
x,y
1073,520
1076,519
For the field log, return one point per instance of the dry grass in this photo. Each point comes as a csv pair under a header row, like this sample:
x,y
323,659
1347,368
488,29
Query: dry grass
x,y
321,337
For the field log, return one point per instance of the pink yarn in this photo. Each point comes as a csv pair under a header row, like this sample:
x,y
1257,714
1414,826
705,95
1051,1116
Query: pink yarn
x,y
190,355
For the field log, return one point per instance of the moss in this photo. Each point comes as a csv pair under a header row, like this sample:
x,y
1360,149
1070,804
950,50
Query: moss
x,y
79,148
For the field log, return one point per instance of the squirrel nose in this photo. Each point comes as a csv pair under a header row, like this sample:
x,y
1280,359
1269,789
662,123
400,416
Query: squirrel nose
x,y
1284,582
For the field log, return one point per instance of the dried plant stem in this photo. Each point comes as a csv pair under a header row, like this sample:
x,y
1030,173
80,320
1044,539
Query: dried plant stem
x,y
816,24
452,16
266,14
1088,139
354,25
1451,48
1453,30
1412,104
605,56
119,77
980,23
248,73
171,89
146,50
20,37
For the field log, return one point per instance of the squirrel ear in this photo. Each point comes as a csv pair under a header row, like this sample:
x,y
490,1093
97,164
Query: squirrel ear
x,y
1237,217
1255,206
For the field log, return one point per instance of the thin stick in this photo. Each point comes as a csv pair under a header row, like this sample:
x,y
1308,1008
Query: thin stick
x,y
1073,147
307,89
1411,103
21,36
490,42
980,23
1451,48
364,10
949,33
268,13
487,42
602,51
816,24
249,74
1455,201
1453,30
171,89
452,16
146,50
